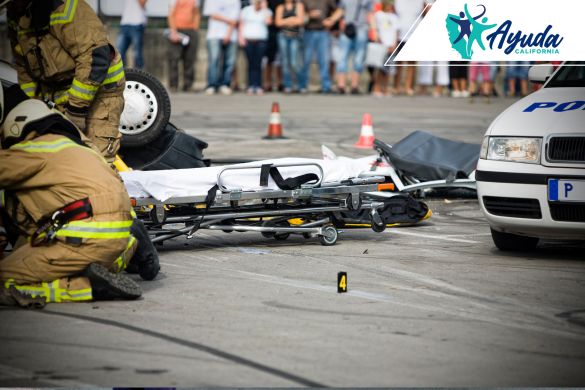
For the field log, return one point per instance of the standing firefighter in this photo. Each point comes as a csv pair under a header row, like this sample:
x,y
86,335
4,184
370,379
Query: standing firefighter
x,y
62,54
69,209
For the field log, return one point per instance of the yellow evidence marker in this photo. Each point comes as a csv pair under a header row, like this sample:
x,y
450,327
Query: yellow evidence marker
x,y
342,282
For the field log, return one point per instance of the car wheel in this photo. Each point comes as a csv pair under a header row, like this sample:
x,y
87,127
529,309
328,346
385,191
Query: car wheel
x,y
147,109
513,242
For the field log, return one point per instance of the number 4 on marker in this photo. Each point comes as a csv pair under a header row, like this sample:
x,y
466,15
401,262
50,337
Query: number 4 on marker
x,y
342,282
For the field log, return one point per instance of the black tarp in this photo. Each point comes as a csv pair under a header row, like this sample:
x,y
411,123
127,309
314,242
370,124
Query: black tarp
x,y
427,157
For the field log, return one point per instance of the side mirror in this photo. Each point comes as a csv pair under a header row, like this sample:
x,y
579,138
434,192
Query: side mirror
x,y
539,74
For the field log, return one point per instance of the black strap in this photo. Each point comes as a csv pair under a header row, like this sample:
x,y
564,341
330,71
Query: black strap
x,y
292,182
209,200
48,226
264,172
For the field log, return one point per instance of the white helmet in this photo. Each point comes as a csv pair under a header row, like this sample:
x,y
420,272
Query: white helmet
x,y
16,124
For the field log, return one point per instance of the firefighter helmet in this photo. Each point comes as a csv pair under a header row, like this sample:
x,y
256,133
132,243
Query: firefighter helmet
x,y
31,115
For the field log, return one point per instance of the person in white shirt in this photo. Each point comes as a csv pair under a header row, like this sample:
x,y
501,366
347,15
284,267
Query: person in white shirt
x,y
222,34
253,36
387,29
427,68
132,28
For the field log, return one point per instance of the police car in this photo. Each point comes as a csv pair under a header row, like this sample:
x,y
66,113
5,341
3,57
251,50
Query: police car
x,y
531,172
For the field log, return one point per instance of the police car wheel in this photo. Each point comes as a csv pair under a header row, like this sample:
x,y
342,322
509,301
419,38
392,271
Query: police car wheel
x,y
147,109
513,242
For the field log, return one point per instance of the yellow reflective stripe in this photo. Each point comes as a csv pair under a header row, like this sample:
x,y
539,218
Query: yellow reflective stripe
x,y
3,199
29,89
133,213
67,15
115,73
51,292
99,230
34,291
61,97
83,91
76,295
44,146
25,31
122,261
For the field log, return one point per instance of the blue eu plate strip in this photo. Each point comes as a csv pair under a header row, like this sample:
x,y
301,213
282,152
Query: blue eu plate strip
x,y
553,189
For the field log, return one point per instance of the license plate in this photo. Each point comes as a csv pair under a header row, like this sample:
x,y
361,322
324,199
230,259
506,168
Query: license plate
x,y
560,190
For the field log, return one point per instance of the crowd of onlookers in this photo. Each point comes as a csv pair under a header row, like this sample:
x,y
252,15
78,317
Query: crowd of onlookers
x,y
282,38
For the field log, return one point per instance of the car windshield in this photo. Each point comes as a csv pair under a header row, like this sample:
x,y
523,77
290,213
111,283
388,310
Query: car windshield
x,y
572,74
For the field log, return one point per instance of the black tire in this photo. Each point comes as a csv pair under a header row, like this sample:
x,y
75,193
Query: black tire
x,y
513,242
171,150
147,109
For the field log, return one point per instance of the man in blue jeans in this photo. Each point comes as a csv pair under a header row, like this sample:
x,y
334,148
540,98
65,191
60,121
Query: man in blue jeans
x,y
221,44
358,15
132,28
317,42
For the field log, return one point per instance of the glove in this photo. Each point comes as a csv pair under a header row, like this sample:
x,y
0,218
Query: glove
x,y
77,115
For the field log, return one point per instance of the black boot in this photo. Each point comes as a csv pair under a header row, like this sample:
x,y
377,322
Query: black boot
x,y
106,285
145,260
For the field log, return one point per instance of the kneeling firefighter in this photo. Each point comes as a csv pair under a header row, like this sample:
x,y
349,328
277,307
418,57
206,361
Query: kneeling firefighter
x,y
62,54
70,210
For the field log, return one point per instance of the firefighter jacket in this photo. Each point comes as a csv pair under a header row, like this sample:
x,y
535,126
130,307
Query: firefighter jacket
x,y
43,174
68,58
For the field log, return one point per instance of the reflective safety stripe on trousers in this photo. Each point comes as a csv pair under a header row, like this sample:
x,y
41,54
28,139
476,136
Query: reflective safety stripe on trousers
x,y
122,261
52,292
99,230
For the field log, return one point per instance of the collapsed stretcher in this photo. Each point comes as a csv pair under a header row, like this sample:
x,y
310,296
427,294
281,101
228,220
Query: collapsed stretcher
x,y
255,197
317,198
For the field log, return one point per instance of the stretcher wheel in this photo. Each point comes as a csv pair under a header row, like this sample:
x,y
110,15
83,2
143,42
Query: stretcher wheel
x,y
276,236
378,228
329,236
377,222
158,215
147,109
282,236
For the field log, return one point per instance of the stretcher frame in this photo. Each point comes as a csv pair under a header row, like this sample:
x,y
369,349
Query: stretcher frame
x,y
316,205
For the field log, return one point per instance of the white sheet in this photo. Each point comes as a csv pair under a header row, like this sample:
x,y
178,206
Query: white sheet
x,y
163,185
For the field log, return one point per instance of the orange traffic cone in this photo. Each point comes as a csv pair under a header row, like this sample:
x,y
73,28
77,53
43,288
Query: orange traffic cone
x,y
275,124
366,140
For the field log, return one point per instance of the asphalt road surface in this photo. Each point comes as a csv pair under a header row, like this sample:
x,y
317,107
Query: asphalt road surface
x,y
431,305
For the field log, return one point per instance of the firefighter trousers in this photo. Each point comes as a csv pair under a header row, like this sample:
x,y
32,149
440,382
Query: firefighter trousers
x,y
53,272
103,122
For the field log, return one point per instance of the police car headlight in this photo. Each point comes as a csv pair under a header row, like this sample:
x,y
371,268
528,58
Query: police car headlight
x,y
525,150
